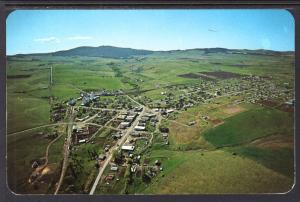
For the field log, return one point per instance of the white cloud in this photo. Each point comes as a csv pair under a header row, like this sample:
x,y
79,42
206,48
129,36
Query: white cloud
x,y
78,38
48,40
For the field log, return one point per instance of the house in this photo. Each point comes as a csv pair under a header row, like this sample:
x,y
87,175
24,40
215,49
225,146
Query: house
x,y
130,118
150,115
101,157
75,128
170,111
139,128
114,167
290,103
135,134
218,93
116,136
35,164
145,118
128,147
164,130
157,162
192,123
123,113
72,102
163,112
85,101
124,124
141,124
121,117
133,168
110,177
82,141
138,109
106,149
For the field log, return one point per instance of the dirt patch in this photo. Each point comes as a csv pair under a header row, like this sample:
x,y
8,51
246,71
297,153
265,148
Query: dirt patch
x,y
233,109
268,103
210,75
46,170
275,142
221,74
183,135
217,122
286,108
195,76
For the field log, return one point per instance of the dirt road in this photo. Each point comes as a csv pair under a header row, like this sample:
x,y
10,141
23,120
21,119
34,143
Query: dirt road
x,y
66,150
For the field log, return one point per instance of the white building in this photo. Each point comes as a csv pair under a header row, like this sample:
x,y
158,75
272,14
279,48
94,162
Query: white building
x,y
139,128
128,147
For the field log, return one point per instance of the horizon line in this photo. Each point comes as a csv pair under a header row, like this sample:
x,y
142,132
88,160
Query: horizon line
x,y
147,49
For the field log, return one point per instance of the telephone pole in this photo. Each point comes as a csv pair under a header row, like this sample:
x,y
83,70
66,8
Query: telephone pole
x,y
51,80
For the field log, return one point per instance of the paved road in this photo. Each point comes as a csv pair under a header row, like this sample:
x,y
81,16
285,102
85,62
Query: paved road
x,y
66,150
115,147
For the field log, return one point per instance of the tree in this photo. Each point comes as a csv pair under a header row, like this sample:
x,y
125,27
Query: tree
x,y
117,156
146,178
128,175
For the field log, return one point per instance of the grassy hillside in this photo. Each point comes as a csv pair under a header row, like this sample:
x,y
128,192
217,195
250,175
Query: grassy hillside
x,y
22,150
250,125
280,159
214,172
102,51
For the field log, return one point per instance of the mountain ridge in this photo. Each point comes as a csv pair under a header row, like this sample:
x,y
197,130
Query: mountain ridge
x,y
120,52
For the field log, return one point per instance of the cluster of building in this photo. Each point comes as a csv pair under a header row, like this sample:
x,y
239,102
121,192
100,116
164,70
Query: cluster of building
x,y
82,134
57,112
252,88
89,97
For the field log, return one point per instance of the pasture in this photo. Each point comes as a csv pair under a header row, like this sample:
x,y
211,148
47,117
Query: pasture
x,y
214,172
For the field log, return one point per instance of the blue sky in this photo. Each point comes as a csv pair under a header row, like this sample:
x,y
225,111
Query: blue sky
x,y
40,31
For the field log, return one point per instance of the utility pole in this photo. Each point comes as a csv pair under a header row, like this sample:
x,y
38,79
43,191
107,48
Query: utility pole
x,y
50,86
51,81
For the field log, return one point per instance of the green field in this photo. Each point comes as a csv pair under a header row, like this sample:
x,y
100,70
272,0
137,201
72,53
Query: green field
x,y
214,172
250,125
22,150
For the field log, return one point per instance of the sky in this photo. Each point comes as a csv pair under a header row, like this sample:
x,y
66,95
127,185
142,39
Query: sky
x,y
41,31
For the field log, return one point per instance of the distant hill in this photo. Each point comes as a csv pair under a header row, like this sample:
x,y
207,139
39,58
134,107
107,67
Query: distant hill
x,y
117,52
244,51
102,51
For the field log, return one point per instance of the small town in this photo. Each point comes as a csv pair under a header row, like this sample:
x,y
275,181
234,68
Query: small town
x,y
130,124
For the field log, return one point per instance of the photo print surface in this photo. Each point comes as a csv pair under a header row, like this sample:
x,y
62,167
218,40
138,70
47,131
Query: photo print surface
x,y
150,101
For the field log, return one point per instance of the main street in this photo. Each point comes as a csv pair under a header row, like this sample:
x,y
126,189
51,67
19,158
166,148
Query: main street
x,y
119,144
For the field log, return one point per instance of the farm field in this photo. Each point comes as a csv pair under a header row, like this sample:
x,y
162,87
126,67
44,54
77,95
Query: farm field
x,y
198,121
215,172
